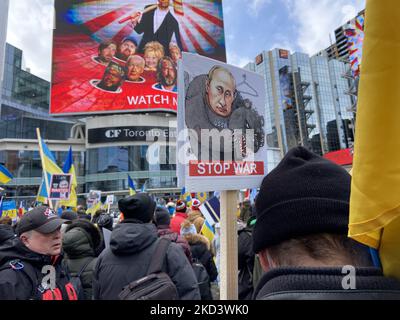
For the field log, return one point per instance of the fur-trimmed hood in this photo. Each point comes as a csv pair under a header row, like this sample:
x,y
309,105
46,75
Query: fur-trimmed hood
x,y
197,238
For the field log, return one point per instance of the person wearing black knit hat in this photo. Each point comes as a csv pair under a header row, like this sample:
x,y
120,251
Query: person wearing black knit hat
x,y
301,235
132,245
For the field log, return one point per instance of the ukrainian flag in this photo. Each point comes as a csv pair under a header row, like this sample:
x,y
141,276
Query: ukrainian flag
x,y
70,168
375,185
187,197
5,175
131,184
48,161
50,167
202,196
42,194
208,231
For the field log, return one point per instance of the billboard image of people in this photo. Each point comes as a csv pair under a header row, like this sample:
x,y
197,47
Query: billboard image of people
x,y
114,56
222,111
286,88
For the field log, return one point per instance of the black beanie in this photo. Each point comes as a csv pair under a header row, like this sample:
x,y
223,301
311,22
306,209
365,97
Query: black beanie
x,y
305,194
140,207
162,217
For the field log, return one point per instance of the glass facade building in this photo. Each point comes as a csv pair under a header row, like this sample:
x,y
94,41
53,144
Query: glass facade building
x,y
25,103
306,101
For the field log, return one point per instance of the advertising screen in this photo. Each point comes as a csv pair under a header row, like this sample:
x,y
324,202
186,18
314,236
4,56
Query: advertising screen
x,y
114,56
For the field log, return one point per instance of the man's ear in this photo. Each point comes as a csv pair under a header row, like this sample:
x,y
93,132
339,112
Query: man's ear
x,y
24,239
207,85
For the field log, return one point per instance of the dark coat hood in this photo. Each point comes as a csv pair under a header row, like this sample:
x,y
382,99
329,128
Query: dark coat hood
x,y
129,238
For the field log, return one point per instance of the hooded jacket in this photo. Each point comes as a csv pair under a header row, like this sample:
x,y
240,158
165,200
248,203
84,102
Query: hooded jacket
x,y
200,247
24,284
166,232
325,284
131,248
81,243
6,233
196,217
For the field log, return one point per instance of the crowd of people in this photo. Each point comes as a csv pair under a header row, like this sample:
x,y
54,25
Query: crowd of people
x,y
293,244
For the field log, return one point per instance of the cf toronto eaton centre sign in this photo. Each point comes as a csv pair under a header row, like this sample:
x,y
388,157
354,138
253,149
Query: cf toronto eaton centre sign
x,y
128,134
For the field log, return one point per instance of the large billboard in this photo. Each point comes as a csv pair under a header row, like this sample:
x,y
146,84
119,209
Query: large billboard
x,y
114,56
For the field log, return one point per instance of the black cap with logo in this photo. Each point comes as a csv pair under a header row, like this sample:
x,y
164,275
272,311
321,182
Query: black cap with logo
x,y
41,219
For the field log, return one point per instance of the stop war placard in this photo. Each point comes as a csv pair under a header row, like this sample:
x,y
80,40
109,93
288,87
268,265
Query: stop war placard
x,y
221,126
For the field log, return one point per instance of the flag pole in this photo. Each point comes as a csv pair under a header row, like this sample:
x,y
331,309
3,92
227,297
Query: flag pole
x,y
46,179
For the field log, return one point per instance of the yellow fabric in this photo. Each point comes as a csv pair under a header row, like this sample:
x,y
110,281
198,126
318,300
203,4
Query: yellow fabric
x,y
93,209
201,196
208,232
375,189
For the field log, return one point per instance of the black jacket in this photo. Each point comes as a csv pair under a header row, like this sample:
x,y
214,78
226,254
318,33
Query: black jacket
x,y
24,284
6,233
163,35
128,258
325,284
200,248
81,243
246,263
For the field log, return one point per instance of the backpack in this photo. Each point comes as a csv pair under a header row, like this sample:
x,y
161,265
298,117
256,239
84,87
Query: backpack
x,y
77,282
156,285
203,280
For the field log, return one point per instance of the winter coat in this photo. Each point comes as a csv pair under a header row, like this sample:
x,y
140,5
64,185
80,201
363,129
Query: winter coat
x,y
6,233
246,263
200,247
81,242
131,248
325,284
24,282
176,222
196,217
165,232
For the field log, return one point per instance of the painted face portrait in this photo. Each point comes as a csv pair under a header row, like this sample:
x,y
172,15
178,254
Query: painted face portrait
x,y
220,92
135,68
126,49
113,78
108,53
175,54
168,74
163,4
151,59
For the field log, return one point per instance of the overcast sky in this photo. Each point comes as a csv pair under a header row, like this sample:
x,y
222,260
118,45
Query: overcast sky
x,y
251,26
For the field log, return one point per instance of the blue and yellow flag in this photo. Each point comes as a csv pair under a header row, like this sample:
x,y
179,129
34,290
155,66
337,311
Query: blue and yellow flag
x,y
375,186
42,194
70,168
208,231
187,197
131,185
5,175
201,196
50,167
9,209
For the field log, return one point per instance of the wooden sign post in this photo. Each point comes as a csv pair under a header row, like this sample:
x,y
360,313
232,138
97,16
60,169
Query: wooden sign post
x,y
229,246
